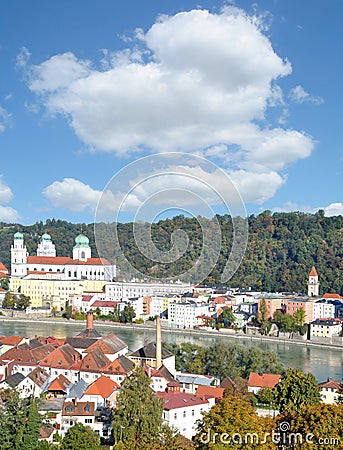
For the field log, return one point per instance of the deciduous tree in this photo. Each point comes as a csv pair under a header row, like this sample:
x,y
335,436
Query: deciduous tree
x,y
297,389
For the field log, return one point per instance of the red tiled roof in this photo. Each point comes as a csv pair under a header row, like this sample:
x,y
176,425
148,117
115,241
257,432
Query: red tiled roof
x,y
4,275
3,268
103,386
78,409
51,260
104,304
64,260
210,392
12,340
174,400
87,298
313,272
59,384
328,295
263,380
331,384
94,361
62,357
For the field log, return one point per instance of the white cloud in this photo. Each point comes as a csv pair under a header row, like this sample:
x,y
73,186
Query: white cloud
x,y
23,57
299,95
195,82
7,213
74,195
5,119
6,194
334,209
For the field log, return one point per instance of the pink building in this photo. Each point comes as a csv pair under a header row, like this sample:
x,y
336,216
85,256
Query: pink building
x,y
293,304
273,304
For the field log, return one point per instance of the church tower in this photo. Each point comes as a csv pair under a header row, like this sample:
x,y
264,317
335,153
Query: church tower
x,y
18,256
313,283
81,250
46,247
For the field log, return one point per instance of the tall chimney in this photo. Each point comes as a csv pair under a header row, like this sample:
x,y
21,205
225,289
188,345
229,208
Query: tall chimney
x,y
158,343
89,321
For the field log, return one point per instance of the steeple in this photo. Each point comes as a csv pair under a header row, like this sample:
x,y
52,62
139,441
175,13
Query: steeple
x,y
18,256
313,283
81,250
46,247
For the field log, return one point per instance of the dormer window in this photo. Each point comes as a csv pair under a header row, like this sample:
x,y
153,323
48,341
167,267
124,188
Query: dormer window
x,y
87,408
70,408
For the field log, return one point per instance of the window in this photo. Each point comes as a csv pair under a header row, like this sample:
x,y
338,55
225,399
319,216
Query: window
x,y
192,412
88,420
184,414
175,415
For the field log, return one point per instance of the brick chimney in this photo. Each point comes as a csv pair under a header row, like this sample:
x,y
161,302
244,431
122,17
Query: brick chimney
x,y
90,319
158,343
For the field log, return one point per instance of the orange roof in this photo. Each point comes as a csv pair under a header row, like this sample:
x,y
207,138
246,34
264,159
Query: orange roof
x,y
313,272
12,340
330,383
210,392
60,260
328,295
64,260
4,275
59,384
103,386
3,268
263,380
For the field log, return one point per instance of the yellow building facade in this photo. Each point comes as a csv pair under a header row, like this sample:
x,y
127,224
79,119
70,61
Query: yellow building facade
x,y
53,292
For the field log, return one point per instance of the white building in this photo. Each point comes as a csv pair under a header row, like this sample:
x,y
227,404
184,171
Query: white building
x,y
330,391
80,266
183,314
325,328
323,310
182,410
126,290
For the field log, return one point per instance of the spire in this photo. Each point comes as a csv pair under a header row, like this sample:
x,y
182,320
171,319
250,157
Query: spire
x,y
313,272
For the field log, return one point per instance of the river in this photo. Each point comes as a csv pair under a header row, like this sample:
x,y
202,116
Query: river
x,y
323,362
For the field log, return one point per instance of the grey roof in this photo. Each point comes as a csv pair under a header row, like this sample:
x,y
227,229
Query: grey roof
x,y
15,379
126,363
77,390
50,405
194,379
149,352
89,333
79,342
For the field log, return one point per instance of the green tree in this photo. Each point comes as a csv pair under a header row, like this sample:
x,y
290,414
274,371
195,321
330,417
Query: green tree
x,y
267,396
233,416
262,316
137,420
299,317
80,437
316,423
5,283
9,300
127,315
297,389
20,422
33,423
228,317
23,301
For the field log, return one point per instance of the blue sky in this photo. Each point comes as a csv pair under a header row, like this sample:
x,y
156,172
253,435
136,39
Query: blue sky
x,y
89,87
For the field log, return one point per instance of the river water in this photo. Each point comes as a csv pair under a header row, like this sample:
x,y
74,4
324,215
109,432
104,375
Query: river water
x,y
323,362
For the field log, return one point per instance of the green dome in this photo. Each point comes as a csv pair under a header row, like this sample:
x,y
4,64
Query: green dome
x,y
18,235
81,241
46,237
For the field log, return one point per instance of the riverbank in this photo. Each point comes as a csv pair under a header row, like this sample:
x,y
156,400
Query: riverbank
x,y
186,332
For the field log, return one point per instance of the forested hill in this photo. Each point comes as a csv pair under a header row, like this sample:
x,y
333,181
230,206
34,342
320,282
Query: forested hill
x,y
281,250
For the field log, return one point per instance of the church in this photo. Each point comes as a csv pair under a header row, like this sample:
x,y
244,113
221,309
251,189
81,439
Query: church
x,y
80,267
